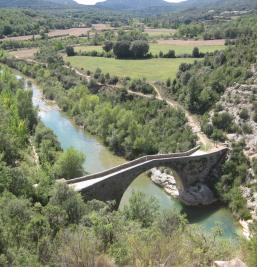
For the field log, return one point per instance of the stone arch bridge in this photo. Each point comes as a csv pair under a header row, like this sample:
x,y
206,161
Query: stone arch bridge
x,y
189,167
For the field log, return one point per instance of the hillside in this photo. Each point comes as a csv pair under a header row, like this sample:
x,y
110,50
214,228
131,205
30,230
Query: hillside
x,y
220,4
161,5
36,3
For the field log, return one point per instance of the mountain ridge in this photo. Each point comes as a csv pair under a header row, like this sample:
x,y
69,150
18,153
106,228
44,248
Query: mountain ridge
x,y
230,5
37,3
132,4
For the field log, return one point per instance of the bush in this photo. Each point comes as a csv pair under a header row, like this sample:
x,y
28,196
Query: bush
x,y
244,114
222,121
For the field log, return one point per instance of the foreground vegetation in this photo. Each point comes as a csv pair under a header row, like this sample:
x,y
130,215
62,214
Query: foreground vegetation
x,y
51,225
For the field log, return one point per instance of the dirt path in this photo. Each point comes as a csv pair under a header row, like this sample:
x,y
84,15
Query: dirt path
x,y
34,153
140,94
193,122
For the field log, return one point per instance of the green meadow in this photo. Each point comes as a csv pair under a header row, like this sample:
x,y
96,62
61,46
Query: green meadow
x,y
182,49
151,69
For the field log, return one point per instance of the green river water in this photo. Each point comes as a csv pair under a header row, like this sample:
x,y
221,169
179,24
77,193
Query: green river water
x,y
99,158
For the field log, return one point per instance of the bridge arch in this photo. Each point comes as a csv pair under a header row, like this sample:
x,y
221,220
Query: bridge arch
x,y
112,184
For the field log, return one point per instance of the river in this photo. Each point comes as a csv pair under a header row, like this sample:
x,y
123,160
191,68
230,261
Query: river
x,y
99,158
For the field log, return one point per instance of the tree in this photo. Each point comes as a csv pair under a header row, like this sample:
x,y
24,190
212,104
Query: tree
x,y
121,49
107,47
170,54
141,209
7,30
196,52
70,164
70,51
139,48
25,108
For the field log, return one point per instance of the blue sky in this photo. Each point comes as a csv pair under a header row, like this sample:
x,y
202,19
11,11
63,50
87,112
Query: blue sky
x,y
92,2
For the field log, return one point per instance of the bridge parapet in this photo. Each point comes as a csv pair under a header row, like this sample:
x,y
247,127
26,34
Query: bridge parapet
x,y
131,164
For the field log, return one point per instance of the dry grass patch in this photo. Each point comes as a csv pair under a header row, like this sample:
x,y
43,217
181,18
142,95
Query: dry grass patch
x,y
24,53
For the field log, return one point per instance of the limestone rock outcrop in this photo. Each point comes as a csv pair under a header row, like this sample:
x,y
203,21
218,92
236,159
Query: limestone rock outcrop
x,y
166,181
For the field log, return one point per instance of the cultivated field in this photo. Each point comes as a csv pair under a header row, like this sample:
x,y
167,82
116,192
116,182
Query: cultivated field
x,y
66,32
151,69
159,32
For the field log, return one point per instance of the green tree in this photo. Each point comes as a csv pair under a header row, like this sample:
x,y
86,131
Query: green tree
x,y
70,164
196,52
139,49
70,51
107,47
121,49
26,109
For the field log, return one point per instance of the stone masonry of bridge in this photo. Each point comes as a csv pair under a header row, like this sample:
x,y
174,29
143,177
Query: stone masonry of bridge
x,y
189,169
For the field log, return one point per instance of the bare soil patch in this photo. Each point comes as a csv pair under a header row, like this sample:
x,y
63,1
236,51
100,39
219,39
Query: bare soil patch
x,y
71,32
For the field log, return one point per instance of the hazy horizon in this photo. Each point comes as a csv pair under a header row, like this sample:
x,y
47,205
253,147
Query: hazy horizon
x,y
93,2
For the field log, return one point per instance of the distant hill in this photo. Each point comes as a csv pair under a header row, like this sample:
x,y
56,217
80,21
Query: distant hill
x,y
220,4
189,4
132,4
36,3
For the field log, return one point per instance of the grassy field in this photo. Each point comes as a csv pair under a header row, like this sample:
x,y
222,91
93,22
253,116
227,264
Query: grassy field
x,y
151,69
89,48
184,48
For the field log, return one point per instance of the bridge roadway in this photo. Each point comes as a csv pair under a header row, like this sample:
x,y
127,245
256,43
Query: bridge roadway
x,y
189,167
